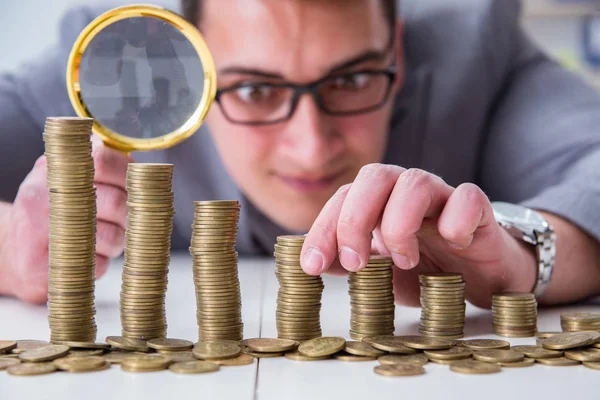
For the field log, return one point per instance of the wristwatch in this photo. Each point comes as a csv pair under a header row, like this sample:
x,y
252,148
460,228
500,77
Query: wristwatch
x,y
529,226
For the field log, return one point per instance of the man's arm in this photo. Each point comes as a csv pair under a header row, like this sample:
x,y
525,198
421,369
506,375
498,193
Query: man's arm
x,y
543,151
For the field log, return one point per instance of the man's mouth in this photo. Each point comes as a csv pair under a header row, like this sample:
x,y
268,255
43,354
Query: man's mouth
x,y
309,183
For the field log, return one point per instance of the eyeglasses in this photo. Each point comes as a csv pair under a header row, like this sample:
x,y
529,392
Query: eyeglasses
x,y
263,103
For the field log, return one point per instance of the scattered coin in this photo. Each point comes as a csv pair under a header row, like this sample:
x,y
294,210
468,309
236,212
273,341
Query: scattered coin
x,y
266,345
558,362
128,344
527,362
566,341
454,353
392,344
392,359
242,359
145,363
497,356
297,356
590,354
217,349
80,364
536,352
426,343
170,344
7,345
399,370
343,356
258,354
474,367
592,365
485,344
362,349
24,345
84,345
7,362
322,346
47,353
194,367
29,369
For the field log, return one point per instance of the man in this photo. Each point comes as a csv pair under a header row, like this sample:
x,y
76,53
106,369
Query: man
x,y
414,126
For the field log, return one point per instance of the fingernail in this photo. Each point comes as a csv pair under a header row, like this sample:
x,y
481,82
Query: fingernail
x,y
455,246
313,261
350,259
401,261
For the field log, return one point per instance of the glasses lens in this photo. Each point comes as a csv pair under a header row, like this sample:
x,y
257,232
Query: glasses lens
x,y
257,103
354,92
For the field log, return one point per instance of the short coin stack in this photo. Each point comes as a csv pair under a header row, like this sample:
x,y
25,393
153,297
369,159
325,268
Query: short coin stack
x,y
580,321
218,297
299,297
514,314
147,250
372,299
72,240
442,305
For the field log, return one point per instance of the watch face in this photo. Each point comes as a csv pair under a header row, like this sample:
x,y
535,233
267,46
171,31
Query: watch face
x,y
518,215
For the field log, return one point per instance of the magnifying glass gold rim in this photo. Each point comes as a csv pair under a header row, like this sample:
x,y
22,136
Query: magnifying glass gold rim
x,y
118,141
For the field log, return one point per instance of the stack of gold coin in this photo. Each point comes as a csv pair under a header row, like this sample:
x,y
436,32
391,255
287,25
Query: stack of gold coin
x,y
442,305
372,299
514,314
72,239
580,321
299,298
147,250
218,298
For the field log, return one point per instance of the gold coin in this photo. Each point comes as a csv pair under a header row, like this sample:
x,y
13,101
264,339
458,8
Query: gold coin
x,y
474,367
297,356
537,352
557,362
591,354
570,340
116,357
170,344
527,362
266,345
46,353
85,353
29,369
485,344
426,343
128,344
546,335
592,364
80,364
194,367
8,362
84,345
217,349
392,344
322,346
498,355
242,359
454,353
7,345
399,370
258,354
362,349
392,359
352,357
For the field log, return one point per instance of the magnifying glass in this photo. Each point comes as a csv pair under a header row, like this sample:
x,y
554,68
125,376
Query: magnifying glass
x,y
144,74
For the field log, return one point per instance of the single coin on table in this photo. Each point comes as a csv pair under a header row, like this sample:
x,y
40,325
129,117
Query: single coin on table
x,y
558,362
8,362
474,367
363,349
426,343
47,353
527,362
170,344
29,369
194,367
24,345
297,356
7,345
498,355
242,359
82,364
128,344
392,344
538,352
454,353
322,346
217,349
567,341
592,365
269,345
399,370
590,354
485,344
392,359
84,345
346,357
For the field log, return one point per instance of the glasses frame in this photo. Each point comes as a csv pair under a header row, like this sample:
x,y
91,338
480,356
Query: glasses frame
x,y
313,89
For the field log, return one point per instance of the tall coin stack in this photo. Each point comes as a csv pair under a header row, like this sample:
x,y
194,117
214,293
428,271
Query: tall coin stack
x,y
372,299
72,239
216,279
147,250
580,321
514,314
442,305
299,298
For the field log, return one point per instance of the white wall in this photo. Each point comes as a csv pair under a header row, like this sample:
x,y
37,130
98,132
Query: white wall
x,y
30,26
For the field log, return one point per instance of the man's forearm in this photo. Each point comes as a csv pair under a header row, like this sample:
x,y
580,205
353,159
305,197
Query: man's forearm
x,y
576,273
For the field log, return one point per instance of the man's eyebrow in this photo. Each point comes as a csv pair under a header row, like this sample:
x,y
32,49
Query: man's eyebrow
x,y
369,55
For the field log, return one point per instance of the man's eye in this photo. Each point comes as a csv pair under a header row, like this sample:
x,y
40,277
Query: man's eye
x,y
255,94
351,82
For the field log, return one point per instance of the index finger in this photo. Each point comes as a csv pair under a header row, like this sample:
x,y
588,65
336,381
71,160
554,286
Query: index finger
x,y
110,165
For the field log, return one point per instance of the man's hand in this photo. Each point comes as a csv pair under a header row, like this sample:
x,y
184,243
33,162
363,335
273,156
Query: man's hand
x,y
426,226
24,241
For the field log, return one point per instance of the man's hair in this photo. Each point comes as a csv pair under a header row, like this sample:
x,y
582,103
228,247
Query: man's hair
x,y
192,11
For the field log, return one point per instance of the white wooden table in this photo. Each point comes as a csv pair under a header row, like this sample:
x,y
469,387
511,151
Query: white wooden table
x,y
280,378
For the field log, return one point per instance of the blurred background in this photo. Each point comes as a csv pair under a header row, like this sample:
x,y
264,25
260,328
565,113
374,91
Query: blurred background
x,y
568,30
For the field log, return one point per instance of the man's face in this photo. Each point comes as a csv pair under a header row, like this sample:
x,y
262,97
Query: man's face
x,y
290,169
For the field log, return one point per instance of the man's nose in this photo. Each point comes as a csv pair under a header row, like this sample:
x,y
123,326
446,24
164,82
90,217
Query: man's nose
x,y
309,138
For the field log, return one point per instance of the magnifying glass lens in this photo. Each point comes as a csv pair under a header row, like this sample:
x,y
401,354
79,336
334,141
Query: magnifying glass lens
x,y
141,77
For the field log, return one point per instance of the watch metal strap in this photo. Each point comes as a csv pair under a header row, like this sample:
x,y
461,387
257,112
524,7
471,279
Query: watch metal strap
x,y
546,254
